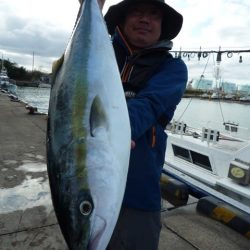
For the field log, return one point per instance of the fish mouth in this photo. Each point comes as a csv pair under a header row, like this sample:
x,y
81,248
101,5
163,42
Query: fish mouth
x,y
99,226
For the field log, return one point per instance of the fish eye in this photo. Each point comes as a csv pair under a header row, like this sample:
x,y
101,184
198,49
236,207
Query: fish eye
x,y
86,208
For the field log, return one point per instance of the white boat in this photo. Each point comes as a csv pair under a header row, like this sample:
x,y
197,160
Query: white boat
x,y
229,97
5,81
44,85
215,95
205,96
211,162
245,99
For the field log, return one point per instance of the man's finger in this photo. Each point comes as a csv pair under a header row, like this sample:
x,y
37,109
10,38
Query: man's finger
x,y
101,3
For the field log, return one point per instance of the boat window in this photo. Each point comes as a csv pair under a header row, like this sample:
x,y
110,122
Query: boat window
x,y
182,153
192,156
201,160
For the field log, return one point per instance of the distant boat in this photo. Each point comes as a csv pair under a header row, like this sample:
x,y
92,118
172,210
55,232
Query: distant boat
x,y
229,97
44,85
5,81
215,95
205,96
245,99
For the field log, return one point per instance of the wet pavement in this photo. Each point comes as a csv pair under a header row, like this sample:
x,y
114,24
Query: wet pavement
x,y
27,219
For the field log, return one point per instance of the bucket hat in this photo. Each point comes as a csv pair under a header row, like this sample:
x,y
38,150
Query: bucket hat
x,y
171,23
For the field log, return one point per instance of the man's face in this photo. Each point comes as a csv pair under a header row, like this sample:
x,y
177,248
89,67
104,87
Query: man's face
x,y
142,26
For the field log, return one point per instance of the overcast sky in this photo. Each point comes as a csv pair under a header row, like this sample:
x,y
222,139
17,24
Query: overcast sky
x,y
44,28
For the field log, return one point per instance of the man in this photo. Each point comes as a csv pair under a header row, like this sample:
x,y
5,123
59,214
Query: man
x,y
154,83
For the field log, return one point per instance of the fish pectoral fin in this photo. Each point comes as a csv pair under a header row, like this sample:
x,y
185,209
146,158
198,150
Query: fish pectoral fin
x,y
98,117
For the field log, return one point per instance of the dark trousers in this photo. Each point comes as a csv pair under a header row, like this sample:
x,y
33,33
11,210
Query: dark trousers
x,y
136,230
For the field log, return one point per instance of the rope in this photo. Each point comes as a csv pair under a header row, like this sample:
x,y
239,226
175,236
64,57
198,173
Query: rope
x,y
198,85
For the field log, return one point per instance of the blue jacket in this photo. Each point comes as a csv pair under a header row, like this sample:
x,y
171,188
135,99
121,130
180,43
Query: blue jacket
x,y
157,97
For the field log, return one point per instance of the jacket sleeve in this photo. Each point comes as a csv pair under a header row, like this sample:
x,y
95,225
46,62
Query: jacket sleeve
x,y
160,96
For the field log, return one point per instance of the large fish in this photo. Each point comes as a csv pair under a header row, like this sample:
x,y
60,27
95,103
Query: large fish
x,y
88,137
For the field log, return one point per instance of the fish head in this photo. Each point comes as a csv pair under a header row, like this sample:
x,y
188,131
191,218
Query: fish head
x,y
79,204
82,225
74,215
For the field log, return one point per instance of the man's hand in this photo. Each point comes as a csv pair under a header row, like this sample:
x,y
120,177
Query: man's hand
x,y
101,3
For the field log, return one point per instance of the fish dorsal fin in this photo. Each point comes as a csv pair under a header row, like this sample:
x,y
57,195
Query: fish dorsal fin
x,y
56,67
98,117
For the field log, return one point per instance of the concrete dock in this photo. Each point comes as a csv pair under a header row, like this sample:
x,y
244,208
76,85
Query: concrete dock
x,y
27,219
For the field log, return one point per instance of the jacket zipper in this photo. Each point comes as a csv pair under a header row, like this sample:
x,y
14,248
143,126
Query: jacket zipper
x,y
153,136
125,74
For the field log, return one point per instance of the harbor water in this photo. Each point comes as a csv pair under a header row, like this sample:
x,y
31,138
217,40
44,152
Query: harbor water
x,y
27,216
213,114
36,97
194,112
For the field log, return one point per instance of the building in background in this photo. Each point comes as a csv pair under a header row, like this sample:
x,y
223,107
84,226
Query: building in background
x,y
229,87
203,84
244,89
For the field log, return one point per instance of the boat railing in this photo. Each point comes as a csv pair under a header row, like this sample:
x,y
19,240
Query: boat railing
x,y
232,129
210,132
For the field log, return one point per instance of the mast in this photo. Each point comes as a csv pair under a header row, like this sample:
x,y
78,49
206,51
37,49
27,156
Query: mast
x,y
33,61
3,70
2,64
